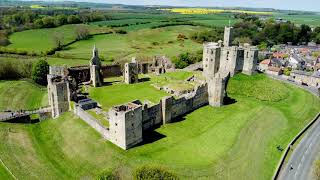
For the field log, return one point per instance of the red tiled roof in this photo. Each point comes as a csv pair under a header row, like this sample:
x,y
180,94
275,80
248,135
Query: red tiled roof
x,y
266,61
274,69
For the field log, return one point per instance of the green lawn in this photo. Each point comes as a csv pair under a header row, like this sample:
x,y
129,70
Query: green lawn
x,y
16,95
4,174
137,43
236,141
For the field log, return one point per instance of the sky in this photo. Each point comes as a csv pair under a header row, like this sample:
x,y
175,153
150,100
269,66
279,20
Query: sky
x,y
306,5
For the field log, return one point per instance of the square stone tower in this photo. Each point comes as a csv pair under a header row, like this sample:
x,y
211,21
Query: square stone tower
x,y
131,73
217,89
211,59
126,125
250,60
228,36
58,95
229,59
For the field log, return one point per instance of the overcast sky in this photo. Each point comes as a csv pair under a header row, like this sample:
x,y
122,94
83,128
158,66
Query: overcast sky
x,y
308,5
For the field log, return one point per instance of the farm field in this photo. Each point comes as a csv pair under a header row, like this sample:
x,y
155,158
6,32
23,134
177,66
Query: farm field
x,y
142,43
312,20
22,94
236,140
41,40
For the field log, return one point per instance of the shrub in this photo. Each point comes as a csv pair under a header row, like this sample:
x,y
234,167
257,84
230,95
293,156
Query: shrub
x,y
185,59
108,175
207,36
15,69
120,31
153,173
40,70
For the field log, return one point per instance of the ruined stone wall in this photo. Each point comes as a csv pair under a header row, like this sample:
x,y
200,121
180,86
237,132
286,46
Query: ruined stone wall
x,y
151,116
80,73
111,71
58,70
91,121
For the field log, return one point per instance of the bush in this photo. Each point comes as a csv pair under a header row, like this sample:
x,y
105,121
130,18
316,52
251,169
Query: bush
x,y
108,175
153,173
15,69
213,35
40,70
185,59
120,31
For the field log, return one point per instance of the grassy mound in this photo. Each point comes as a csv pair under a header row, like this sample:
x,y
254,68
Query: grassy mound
x,y
16,95
258,86
237,141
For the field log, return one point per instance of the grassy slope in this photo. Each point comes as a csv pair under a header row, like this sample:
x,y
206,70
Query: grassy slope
x,y
40,40
231,142
138,43
16,95
4,174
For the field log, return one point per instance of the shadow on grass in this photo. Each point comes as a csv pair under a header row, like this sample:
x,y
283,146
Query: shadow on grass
x,y
228,101
150,136
144,79
109,83
23,120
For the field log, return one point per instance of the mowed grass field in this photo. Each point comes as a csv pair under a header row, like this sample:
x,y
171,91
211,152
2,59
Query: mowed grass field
x,y
142,43
22,94
236,141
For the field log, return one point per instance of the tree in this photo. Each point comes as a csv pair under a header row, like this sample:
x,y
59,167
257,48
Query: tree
x,y
60,20
82,32
242,40
58,39
39,72
304,34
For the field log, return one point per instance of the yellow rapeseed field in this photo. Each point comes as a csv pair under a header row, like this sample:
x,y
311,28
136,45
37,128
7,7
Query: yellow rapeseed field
x,y
211,11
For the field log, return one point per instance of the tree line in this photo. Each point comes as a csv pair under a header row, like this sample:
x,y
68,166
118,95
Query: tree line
x,y
15,19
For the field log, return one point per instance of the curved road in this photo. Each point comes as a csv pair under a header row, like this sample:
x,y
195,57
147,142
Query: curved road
x,y
300,164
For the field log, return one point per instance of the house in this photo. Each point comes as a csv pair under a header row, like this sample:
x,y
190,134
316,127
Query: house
x,y
263,65
276,71
296,62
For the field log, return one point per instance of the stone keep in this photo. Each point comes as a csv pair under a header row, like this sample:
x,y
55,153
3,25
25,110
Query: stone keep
x,y
58,95
228,36
131,73
217,89
229,59
126,125
250,60
95,69
211,59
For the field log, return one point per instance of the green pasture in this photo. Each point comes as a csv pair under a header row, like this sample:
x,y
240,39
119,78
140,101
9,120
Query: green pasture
x,y
236,141
22,94
41,40
312,20
144,43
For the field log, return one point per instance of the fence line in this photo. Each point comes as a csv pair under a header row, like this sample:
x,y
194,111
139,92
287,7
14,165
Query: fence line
x,y
14,177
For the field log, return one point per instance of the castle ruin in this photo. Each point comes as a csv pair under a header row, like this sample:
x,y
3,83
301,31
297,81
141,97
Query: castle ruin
x,y
127,122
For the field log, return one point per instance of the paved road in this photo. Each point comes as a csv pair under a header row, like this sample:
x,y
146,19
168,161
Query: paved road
x,y
303,156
